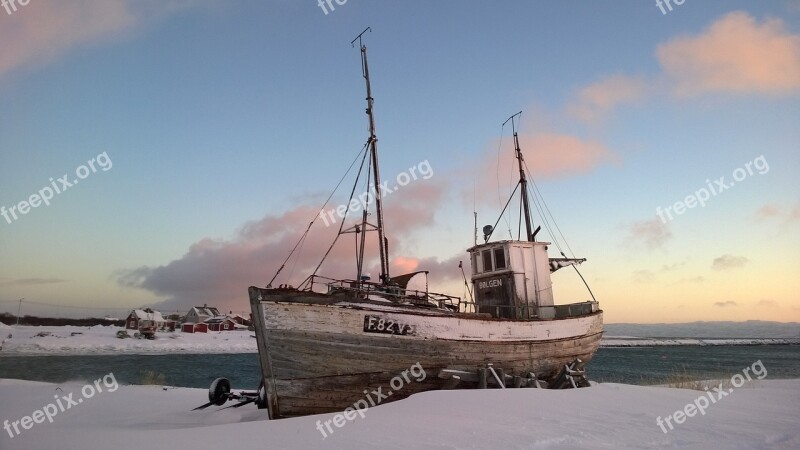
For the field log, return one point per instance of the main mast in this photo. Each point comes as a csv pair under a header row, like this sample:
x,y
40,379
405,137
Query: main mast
x,y
523,181
373,147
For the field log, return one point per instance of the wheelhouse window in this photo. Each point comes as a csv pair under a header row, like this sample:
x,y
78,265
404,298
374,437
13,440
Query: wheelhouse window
x,y
499,258
487,260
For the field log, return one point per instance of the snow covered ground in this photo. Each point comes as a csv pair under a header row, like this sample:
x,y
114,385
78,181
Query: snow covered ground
x,y
103,340
761,414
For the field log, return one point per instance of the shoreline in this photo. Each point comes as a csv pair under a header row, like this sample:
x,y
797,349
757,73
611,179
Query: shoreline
x,y
102,340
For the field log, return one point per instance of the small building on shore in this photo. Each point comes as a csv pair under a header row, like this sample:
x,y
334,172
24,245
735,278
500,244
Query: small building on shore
x,y
240,319
189,327
222,323
199,314
144,318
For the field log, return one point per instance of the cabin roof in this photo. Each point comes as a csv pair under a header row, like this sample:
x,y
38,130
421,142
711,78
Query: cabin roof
x,y
205,311
507,241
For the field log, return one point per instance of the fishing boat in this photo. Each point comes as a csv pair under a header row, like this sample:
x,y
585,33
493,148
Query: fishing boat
x,y
325,345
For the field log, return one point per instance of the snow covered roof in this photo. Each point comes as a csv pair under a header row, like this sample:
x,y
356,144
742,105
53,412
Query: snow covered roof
x,y
205,311
144,315
218,319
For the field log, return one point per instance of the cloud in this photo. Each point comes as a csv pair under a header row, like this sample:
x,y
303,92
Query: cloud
x,y
643,276
735,54
693,280
31,281
440,270
550,155
218,271
725,304
771,303
547,155
596,100
672,267
788,214
413,206
726,262
767,211
43,31
651,234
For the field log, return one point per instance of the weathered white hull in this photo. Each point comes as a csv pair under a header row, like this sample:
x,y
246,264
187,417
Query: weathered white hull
x,y
319,356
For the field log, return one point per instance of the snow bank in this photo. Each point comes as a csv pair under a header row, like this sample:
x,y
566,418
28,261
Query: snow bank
x,y
758,415
101,339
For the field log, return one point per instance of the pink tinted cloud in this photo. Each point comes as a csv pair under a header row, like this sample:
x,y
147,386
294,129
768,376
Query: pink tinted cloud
x,y
597,100
547,155
219,271
788,214
413,206
441,270
551,155
44,30
767,211
734,54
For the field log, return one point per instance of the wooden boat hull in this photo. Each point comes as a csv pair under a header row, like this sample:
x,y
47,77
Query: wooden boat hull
x,y
319,358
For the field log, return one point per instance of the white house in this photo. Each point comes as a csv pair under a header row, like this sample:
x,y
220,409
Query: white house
x,y
199,314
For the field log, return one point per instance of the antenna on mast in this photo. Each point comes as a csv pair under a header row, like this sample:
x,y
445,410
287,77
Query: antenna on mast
x,y
358,38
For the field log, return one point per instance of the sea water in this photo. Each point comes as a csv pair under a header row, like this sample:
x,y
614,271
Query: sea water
x,y
650,365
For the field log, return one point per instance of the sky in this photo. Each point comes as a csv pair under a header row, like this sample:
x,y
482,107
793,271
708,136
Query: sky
x,y
205,136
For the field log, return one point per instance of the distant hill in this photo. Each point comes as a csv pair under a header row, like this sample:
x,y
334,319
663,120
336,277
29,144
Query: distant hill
x,y
749,329
10,319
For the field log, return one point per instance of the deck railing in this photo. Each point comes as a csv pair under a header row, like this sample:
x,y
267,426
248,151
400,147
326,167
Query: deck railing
x,y
396,294
364,290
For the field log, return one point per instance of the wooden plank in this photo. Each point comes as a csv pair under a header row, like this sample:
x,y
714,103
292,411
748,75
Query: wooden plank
x,y
264,355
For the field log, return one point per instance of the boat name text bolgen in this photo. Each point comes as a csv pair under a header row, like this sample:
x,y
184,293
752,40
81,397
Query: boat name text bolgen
x,y
490,284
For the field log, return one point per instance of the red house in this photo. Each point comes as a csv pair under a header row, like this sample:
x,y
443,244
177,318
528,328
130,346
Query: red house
x,y
194,328
240,319
221,324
